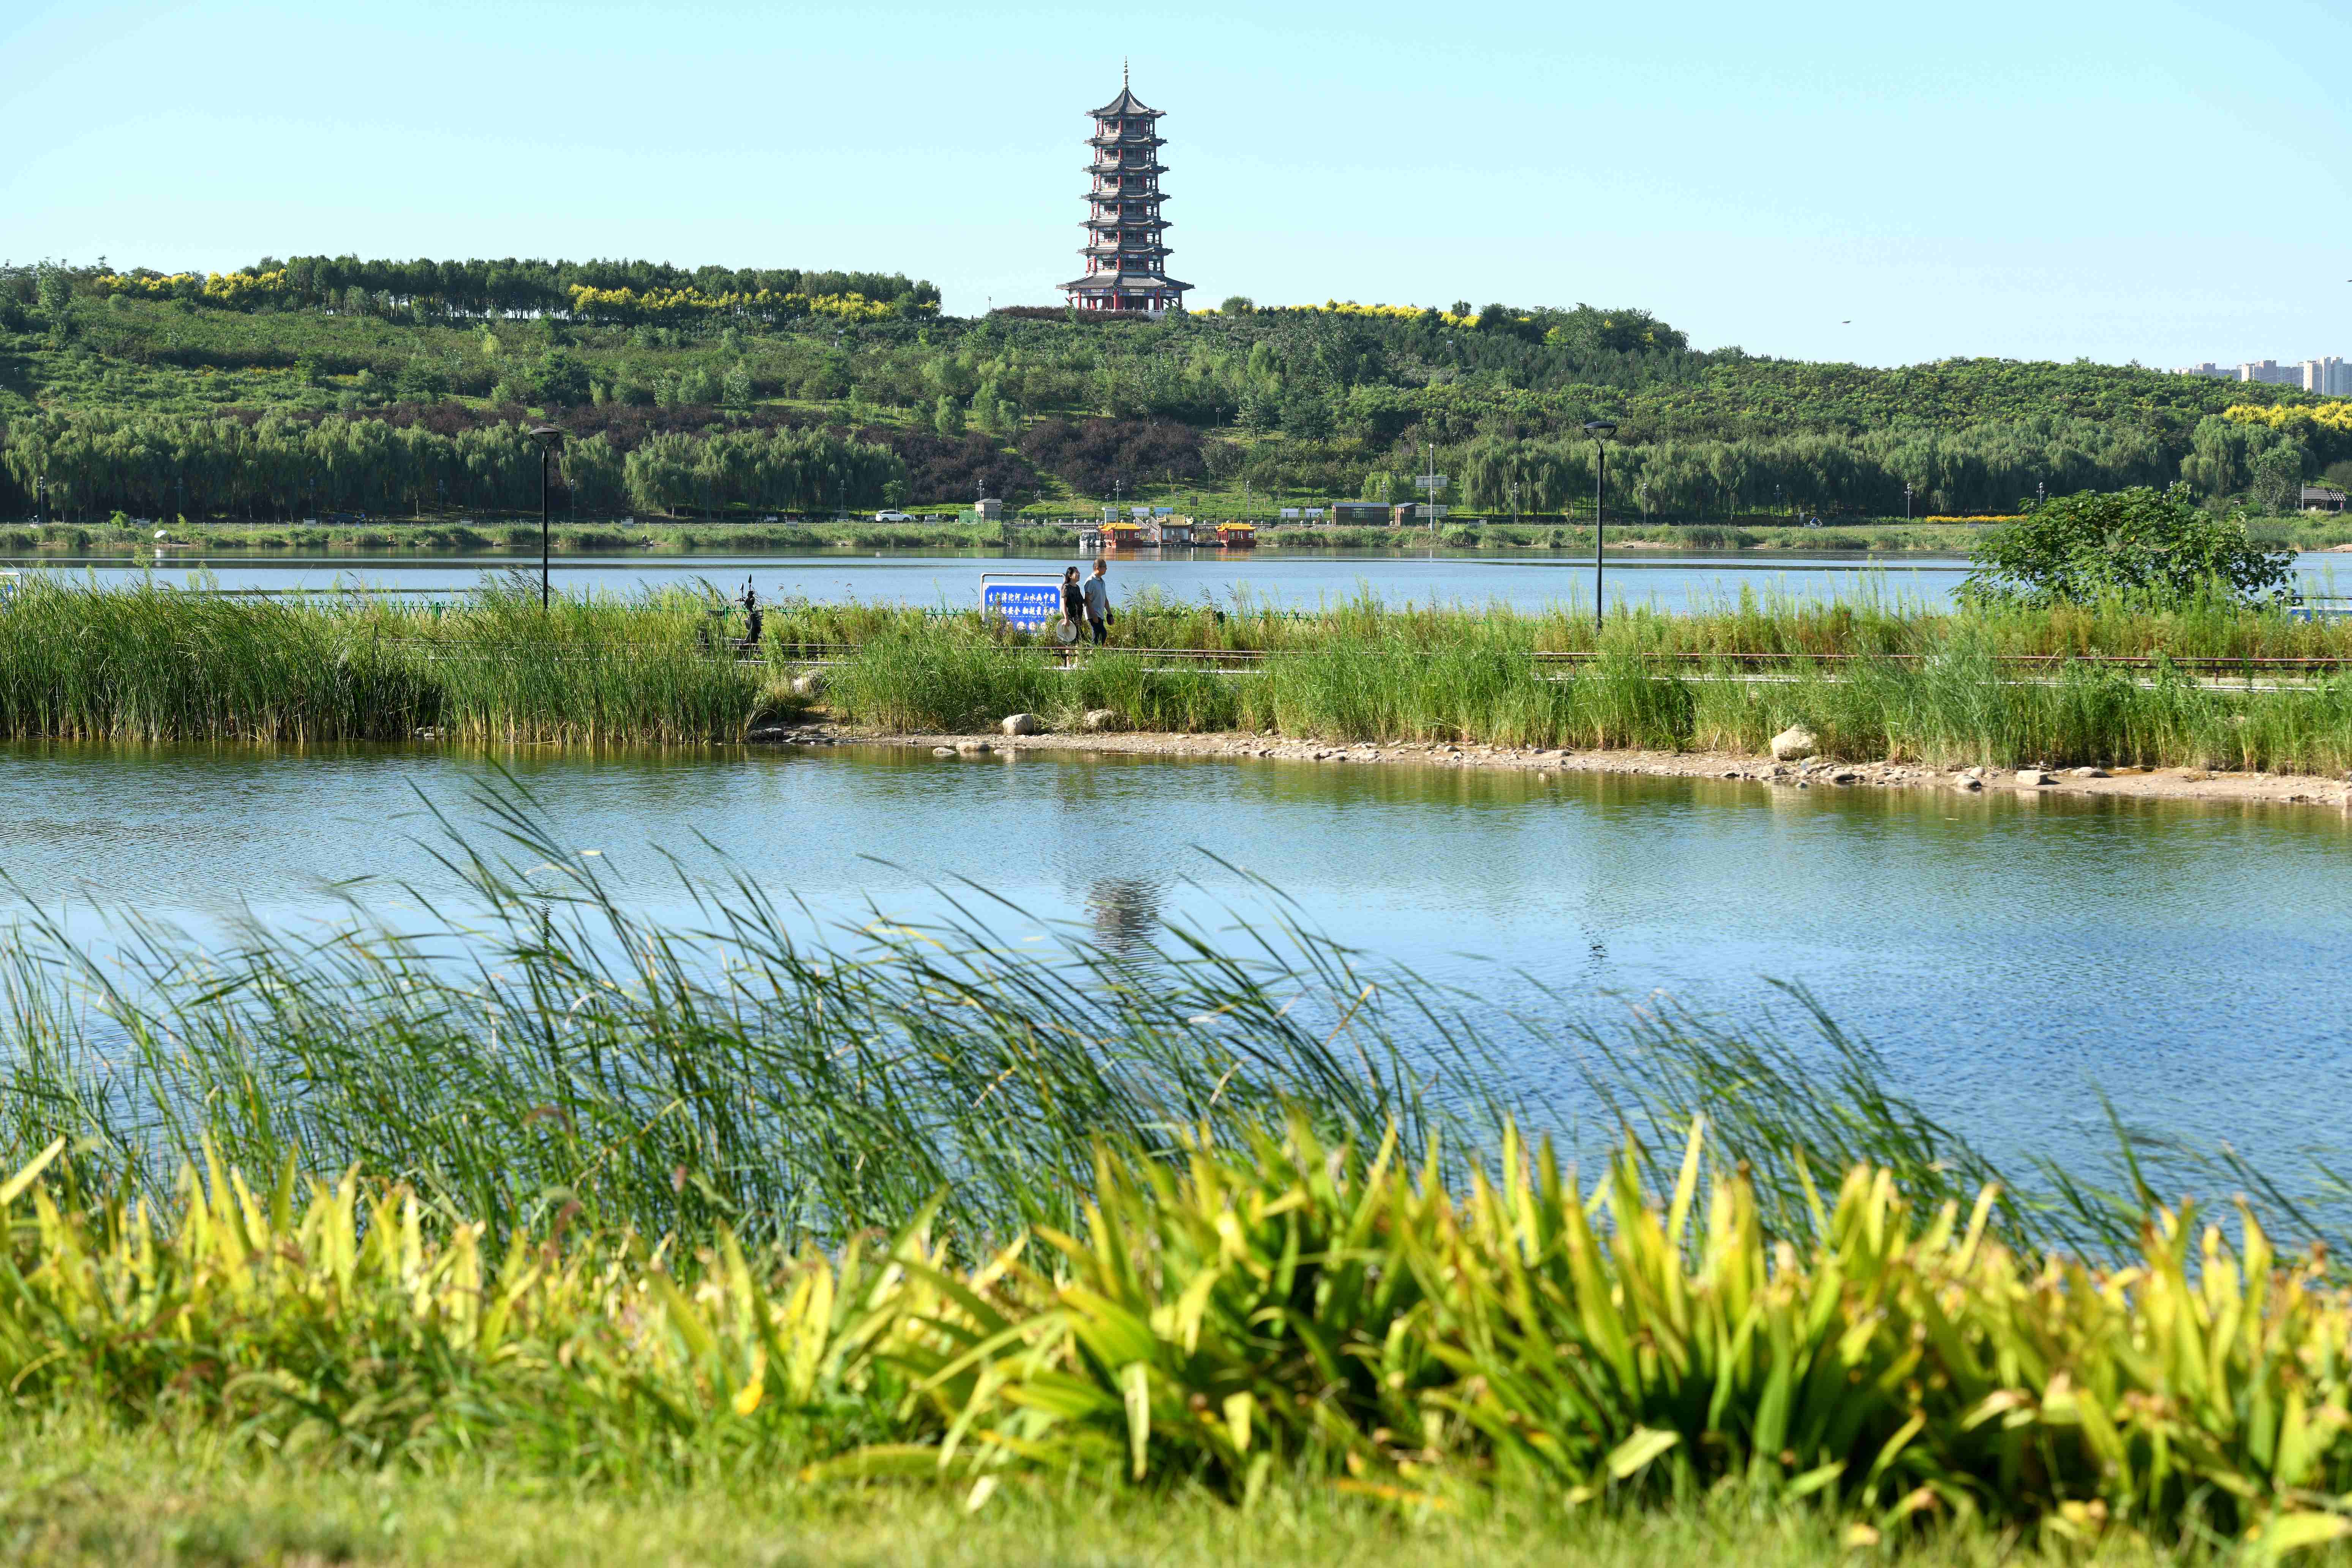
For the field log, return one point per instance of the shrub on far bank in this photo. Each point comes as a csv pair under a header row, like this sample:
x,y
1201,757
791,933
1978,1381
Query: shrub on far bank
x,y
2156,548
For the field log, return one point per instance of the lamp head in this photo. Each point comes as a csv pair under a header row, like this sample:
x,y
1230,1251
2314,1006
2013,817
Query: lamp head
x,y
1601,428
547,434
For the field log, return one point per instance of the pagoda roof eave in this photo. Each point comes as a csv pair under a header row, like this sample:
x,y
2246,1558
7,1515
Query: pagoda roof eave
x,y
1123,283
1126,105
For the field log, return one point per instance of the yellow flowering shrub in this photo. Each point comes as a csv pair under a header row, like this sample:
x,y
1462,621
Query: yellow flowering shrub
x,y
243,291
2335,416
629,305
1350,308
231,290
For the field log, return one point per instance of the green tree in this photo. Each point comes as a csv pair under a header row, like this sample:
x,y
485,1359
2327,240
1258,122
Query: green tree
x,y
735,391
2153,547
53,287
560,379
1306,414
425,379
2276,478
1260,411
947,416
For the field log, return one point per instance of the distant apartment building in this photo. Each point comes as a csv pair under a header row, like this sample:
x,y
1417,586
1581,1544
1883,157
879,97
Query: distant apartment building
x,y
2331,376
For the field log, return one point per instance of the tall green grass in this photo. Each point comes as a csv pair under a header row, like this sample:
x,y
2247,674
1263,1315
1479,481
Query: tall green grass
x,y
1874,678
540,1045
152,664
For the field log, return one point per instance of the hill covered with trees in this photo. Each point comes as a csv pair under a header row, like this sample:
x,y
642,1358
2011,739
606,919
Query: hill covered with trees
x,y
336,384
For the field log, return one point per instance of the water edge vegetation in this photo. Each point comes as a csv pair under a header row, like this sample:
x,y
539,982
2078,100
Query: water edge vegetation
x,y
613,1211
2111,683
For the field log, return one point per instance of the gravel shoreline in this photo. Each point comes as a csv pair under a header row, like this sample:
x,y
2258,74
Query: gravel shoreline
x,y
2157,784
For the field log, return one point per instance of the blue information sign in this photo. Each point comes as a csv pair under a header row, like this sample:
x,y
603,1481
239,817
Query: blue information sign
x,y
1031,607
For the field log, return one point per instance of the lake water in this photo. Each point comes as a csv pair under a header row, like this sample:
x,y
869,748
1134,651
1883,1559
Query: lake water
x,y
2008,952
1670,580
1298,580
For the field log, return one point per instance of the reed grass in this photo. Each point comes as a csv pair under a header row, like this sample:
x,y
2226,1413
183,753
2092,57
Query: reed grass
x,y
1874,678
149,663
530,1044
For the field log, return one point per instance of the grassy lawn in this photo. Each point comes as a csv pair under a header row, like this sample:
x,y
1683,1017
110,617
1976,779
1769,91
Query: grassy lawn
x,y
80,1493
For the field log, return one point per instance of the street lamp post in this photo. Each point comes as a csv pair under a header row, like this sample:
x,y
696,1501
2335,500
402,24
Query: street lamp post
x,y
1599,430
548,438
1906,503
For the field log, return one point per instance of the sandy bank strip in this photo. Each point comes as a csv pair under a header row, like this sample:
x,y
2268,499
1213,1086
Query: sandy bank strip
x,y
2156,784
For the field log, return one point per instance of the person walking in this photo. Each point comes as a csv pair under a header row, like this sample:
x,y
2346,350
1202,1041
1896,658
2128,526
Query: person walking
x,y
1097,600
1074,613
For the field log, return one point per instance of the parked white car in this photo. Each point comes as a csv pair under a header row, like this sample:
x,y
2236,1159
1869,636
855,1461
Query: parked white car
x,y
893,517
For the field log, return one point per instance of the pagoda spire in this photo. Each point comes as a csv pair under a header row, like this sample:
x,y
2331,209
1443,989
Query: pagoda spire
x,y
1127,256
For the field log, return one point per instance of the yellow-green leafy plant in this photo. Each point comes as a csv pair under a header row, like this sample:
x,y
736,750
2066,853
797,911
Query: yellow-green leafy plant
x,y
1285,1307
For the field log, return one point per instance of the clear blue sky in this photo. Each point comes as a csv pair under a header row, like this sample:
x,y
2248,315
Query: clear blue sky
x,y
2164,182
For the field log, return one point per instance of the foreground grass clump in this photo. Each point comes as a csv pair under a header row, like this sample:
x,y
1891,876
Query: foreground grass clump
x,y
1250,1317
532,1045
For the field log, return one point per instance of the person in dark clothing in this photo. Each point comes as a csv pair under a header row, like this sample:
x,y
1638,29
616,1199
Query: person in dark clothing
x,y
1074,613
1098,599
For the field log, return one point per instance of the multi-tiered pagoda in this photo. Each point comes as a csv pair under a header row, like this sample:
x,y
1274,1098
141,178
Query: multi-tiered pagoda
x,y
1126,264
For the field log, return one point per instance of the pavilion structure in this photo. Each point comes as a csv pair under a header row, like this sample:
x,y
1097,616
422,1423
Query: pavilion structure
x,y
1126,259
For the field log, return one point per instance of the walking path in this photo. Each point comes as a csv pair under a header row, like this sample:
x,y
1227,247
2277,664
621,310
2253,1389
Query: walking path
x,y
2155,783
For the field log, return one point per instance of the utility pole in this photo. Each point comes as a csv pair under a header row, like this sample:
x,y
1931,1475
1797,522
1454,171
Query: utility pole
x,y
548,438
1600,431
